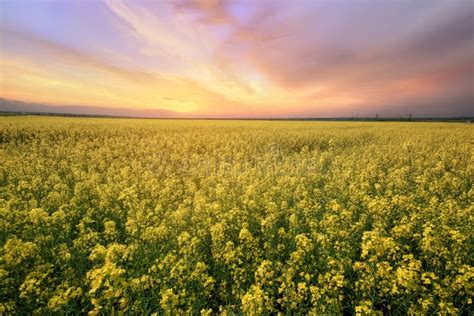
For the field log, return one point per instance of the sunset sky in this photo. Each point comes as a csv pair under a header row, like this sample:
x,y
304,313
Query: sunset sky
x,y
242,58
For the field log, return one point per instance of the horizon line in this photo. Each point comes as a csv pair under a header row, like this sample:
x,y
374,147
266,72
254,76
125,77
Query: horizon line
x,y
342,118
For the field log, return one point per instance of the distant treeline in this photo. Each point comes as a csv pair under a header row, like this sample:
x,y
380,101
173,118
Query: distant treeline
x,y
12,113
358,119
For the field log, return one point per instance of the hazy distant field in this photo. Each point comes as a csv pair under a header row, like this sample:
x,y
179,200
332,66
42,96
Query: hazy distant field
x,y
238,217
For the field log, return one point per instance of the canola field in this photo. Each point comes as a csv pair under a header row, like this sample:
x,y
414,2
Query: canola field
x,y
171,217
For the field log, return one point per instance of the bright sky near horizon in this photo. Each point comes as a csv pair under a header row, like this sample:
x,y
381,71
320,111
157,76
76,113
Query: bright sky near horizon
x,y
242,58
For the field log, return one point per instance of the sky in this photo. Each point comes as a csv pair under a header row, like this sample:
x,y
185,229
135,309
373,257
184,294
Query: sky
x,y
266,58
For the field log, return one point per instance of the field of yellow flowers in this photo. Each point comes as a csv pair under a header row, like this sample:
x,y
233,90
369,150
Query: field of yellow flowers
x,y
235,217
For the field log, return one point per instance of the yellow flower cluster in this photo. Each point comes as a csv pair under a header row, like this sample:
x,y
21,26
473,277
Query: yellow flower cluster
x,y
163,217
